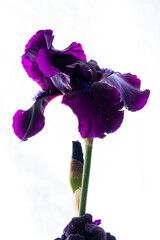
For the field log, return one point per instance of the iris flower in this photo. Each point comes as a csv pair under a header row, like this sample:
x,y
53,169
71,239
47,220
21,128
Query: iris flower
x,y
83,228
96,96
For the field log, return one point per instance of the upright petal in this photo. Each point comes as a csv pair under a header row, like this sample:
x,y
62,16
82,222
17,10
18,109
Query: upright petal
x,y
44,63
28,123
98,111
129,86
33,72
74,49
42,39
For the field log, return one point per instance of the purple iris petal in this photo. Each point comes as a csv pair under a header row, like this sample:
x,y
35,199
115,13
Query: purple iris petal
x,y
44,63
31,68
94,67
60,80
41,61
74,49
98,110
42,39
97,222
34,72
28,123
81,71
129,86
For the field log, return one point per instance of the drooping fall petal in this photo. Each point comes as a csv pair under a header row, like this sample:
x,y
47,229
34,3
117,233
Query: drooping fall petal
x,y
30,122
129,86
98,110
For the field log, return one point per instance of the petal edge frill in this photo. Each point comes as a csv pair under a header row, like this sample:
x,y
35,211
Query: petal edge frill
x,y
42,39
74,49
33,72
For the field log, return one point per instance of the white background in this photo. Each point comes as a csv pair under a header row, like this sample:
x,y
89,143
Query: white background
x,y
35,196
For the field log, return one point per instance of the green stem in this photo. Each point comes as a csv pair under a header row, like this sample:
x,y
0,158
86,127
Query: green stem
x,y
85,176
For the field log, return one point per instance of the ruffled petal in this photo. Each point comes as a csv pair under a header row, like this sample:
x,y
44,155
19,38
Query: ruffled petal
x,y
44,63
28,123
31,68
33,72
129,86
60,80
81,71
74,49
98,111
42,39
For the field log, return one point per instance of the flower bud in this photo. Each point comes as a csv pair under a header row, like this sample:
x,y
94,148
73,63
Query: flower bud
x,y
76,167
76,170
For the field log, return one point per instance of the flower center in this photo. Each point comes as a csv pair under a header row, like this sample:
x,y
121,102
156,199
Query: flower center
x,y
82,73
85,87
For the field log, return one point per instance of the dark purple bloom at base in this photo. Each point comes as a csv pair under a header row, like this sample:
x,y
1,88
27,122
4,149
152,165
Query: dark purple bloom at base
x,y
96,96
83,228
110,237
